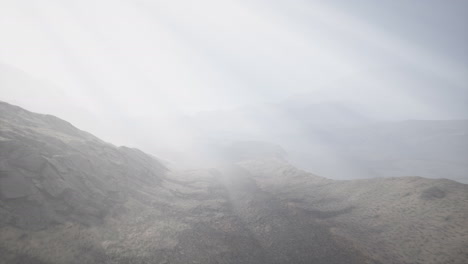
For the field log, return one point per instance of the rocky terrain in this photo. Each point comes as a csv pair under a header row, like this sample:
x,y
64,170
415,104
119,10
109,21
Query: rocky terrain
x,y
68,197
392,220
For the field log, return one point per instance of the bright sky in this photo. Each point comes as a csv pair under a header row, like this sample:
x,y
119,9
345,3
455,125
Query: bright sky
x,y
108,65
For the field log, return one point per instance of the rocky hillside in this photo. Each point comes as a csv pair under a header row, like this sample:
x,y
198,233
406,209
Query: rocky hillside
x,y
68,197
51,172
392,220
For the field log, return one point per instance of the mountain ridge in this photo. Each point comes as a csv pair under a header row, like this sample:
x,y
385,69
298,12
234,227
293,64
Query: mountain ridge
x,y
68,197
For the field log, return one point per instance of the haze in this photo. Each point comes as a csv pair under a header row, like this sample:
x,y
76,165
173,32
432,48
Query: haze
x,y
241,132
141,73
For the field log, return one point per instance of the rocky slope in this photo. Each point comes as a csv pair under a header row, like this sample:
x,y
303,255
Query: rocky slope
x,y
68,197
392,220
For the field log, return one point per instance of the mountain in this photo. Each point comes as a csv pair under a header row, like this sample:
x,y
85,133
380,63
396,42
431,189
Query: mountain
x,y
344,141
69,197
428,148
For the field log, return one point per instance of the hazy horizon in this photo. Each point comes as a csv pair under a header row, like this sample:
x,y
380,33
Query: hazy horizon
x,y
132,72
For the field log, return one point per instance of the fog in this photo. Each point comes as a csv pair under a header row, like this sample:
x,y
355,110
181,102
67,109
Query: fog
x,y
233,131
183,80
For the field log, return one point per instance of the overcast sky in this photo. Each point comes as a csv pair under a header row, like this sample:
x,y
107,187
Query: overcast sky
x,y
109,65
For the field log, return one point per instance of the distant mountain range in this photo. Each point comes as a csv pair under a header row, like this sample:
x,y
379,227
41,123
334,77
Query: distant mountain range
x,y
344,141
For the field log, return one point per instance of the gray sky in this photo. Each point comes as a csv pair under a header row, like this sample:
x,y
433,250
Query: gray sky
x,y
110,66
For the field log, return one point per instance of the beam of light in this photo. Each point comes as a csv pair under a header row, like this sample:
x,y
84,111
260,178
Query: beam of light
x,y
141,65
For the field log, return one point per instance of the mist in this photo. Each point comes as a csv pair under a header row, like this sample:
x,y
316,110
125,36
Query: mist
x,y
182,80
154,131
